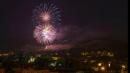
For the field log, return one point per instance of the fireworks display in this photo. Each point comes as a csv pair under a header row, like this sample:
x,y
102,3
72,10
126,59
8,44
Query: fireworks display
x,y
45,18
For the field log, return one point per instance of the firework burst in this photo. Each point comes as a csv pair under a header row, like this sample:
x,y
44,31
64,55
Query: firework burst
x,y
45,34
46,13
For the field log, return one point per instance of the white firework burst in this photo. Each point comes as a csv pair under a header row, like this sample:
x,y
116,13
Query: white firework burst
x,y
45,34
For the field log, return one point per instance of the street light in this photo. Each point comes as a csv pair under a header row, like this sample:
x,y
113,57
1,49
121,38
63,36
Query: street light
x,y
103,68
99,64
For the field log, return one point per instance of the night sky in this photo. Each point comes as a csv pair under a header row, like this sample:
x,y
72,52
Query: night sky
x,y
82,20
